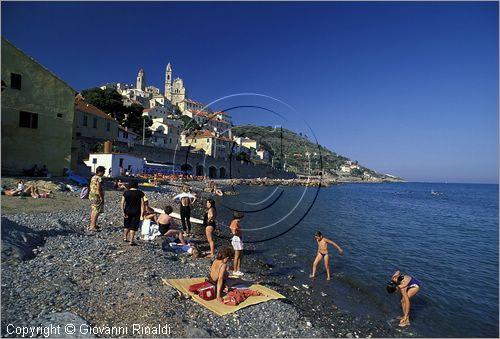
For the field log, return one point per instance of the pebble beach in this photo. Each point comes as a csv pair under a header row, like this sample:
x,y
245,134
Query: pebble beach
x,y
53,270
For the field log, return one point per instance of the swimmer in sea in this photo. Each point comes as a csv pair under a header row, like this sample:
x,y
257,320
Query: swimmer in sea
x,y
323,253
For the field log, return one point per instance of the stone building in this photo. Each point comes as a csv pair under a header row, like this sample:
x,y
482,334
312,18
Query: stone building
x,y
91,122
212,145
37,115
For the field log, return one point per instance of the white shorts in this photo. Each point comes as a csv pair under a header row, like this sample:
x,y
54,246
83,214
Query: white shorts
x,y
237,243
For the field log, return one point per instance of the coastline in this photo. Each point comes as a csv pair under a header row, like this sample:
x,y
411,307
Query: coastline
x,y
107,283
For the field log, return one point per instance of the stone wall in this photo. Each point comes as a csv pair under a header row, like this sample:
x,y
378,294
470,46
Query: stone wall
x,y
199,164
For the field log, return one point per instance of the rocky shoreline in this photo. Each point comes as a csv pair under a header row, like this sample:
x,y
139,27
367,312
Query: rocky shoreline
x,y
102,282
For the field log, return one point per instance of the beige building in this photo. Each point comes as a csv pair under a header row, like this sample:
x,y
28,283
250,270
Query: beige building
x,y
217,147
166,133
37,115
246,142
191,105
91,122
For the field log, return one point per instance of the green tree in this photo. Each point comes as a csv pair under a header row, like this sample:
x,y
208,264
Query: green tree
x,y
189,123
110,101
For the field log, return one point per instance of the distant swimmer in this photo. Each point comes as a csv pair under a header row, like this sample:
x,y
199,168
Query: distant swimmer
x,y
409,287
323,253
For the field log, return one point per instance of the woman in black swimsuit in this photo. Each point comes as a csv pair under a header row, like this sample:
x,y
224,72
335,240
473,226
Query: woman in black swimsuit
x,y
167,226
209,223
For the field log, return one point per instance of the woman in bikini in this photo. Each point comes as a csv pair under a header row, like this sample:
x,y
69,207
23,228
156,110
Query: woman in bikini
x,y
323,253
218,273
409,287
209,224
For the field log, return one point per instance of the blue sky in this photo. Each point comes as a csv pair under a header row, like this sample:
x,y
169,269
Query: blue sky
x,y
409,88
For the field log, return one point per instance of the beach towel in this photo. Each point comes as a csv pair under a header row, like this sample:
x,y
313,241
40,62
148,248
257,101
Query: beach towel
x,y
149,230
182,285
237,296
179,248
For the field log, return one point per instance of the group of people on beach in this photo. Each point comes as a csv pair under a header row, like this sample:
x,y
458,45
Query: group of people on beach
x,y
21,190
135,207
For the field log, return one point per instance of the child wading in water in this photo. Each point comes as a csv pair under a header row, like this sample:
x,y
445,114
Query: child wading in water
x,y
323,253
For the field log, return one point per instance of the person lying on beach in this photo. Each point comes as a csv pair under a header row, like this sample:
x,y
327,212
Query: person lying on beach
x,y
167,226
323,253
22,191
408,286
218,272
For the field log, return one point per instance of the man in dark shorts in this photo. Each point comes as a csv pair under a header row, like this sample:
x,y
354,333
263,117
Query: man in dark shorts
x,y
132,207
186,200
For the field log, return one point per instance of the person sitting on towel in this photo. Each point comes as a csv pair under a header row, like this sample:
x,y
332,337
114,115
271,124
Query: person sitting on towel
x,y
167,226
218,272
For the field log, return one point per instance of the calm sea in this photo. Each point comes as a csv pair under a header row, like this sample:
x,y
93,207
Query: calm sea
x,y
448,241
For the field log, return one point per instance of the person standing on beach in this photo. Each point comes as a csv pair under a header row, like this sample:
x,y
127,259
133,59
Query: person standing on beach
x,y
409,287
209,223
236,242
133,207
186,200
323,253
96,197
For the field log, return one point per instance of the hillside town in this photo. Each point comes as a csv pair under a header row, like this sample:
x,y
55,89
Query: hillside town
x,y
45,122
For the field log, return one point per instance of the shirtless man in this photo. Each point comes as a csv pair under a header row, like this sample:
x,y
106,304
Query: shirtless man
x,y
186,200
323,253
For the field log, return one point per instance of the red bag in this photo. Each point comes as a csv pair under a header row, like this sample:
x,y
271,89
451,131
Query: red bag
x,y
195,287
204,289
207,292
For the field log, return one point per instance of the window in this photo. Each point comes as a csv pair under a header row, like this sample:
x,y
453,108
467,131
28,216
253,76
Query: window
x,y
85,120
28,120
15,81
108,126
59,115
121,162
95,123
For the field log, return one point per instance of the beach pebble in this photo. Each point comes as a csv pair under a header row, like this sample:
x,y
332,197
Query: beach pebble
x,y
103,280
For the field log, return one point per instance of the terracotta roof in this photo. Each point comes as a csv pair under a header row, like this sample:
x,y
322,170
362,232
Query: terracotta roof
x,y
201,113
225,139
81,105
201,134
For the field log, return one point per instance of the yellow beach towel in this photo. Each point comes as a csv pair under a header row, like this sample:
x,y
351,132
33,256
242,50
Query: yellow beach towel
x,y
182,285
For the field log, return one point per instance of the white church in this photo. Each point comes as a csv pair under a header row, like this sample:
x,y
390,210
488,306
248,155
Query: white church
x,y
174,98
